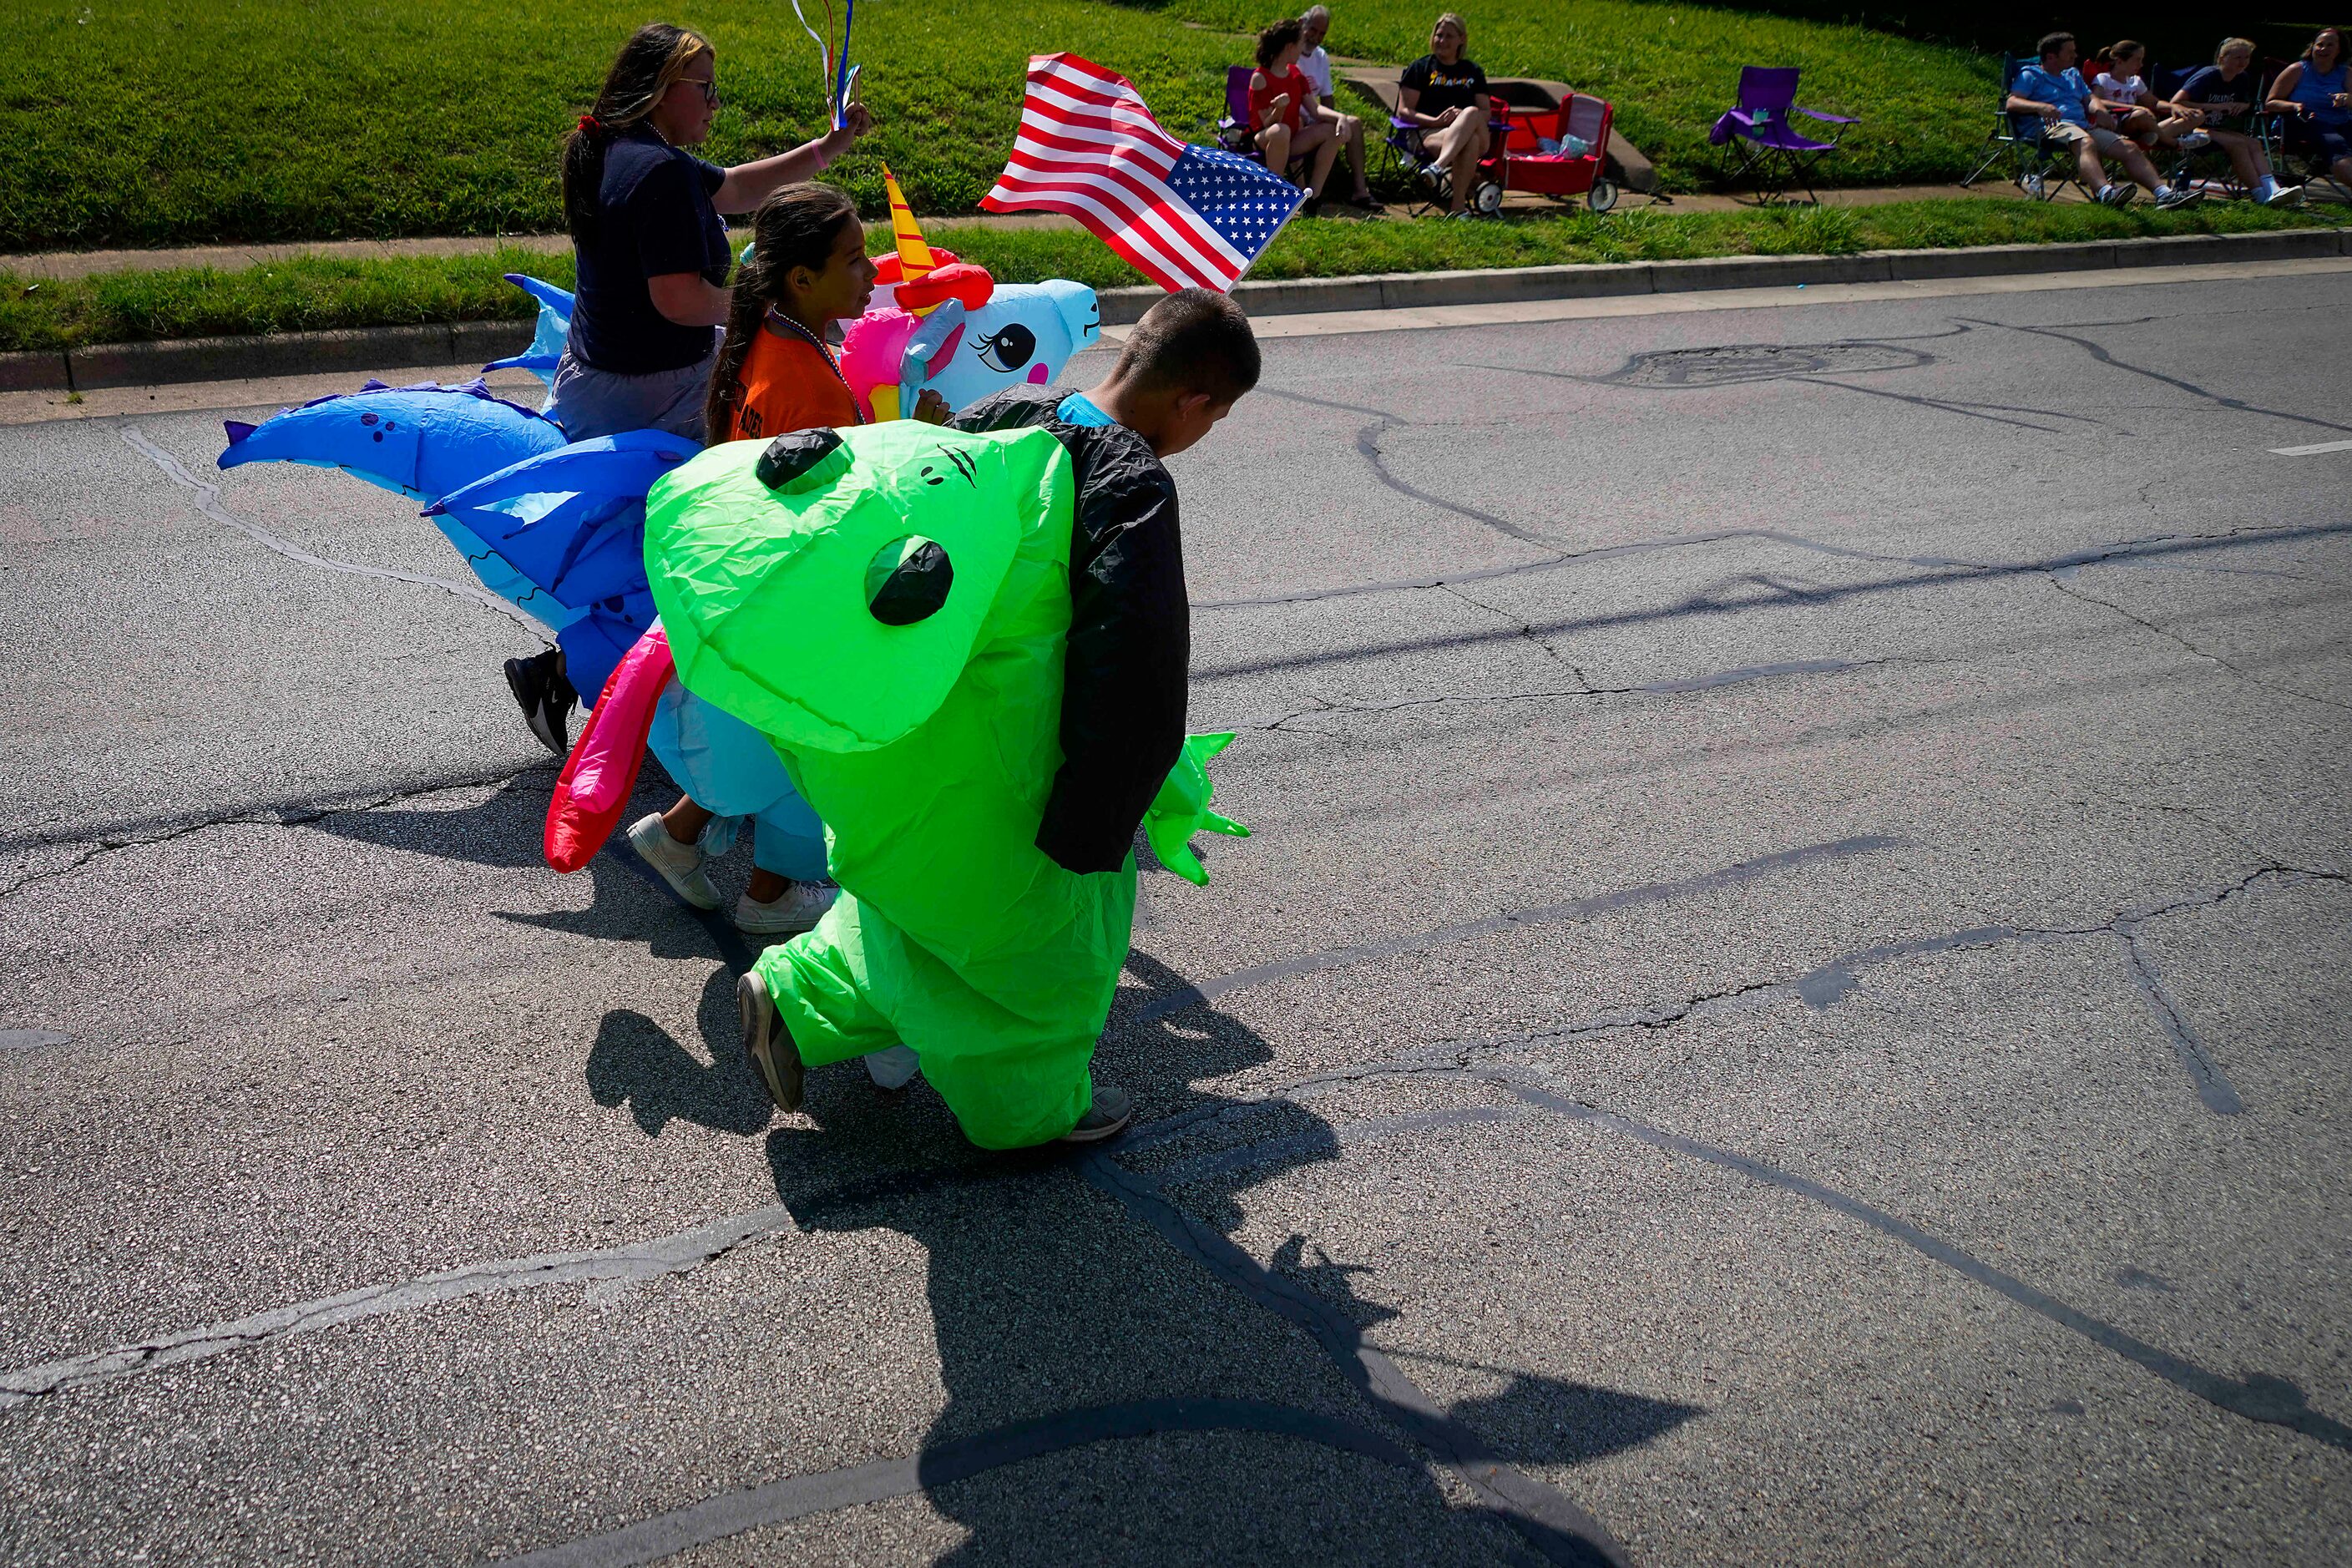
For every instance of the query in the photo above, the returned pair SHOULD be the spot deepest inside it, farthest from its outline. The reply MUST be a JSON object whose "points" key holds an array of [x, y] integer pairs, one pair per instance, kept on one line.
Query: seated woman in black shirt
{"points": [[1444, 92]]}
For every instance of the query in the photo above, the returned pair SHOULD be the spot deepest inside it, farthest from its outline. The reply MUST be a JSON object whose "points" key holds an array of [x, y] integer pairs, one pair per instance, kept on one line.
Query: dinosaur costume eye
{"points": [[908, 581], [788, 457]]}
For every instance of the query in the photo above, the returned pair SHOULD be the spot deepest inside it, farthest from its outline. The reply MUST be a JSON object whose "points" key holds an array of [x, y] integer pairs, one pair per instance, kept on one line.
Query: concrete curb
{"points": [[388, 348]]}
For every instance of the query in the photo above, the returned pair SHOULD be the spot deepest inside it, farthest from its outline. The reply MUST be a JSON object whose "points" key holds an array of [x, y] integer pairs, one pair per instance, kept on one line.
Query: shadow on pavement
{"points": [[636, 1062], [1054, 1313]]}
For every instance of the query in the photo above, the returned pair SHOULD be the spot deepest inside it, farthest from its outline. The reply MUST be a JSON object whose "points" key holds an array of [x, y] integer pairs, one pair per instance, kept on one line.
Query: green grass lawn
{"points": [[319, 292], [1671, 68], [166, 121]]}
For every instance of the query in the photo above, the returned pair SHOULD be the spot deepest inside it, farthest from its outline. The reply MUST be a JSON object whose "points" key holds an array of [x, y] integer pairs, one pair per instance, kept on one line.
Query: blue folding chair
{"points": [[2037, 166], [1758, 143]]}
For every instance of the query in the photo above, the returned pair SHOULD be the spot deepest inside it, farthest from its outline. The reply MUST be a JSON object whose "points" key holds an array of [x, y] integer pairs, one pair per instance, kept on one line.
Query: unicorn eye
{"points": [[1010, 349]]}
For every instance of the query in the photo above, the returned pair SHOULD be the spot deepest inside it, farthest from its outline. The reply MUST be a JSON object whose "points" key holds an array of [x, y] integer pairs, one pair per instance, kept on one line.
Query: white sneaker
{"points": [[2193, 140], [892, 1067], [791, 913], [2271, 193], [681, 865], [2118, 195], [2032, 185], [2167, 198]]}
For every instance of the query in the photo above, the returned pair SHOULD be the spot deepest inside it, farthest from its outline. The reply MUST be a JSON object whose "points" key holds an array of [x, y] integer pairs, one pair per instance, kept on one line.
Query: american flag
{"points": [[1184, 217]]}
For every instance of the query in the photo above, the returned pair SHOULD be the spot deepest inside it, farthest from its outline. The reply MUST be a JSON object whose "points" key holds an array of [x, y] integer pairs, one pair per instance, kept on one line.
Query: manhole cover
{"points": [[1762, 362]]}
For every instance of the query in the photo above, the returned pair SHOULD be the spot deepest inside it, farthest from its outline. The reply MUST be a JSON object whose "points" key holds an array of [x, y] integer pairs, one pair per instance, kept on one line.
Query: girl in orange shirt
{"points": [[807, 269]]}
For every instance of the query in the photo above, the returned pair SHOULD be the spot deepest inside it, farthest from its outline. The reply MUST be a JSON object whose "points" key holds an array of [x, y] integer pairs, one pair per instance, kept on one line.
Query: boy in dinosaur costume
{"points": [[970, 648]]}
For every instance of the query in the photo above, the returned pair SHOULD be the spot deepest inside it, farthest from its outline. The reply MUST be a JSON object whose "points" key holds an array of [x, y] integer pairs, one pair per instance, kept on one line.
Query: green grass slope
{"points": [[163, 121], [1671, 68]]}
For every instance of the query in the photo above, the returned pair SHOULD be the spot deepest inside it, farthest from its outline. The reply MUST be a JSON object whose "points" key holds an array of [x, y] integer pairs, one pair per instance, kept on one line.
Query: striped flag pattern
{"points": [[1184, 217]]}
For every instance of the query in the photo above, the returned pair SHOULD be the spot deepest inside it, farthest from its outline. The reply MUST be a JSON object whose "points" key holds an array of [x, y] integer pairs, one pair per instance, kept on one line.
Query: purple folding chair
{"points": [[1760, 145]]}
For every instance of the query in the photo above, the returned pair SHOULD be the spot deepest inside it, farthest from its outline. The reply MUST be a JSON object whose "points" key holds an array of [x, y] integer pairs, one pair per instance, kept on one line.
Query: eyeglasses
{"points": [[710, 89]]}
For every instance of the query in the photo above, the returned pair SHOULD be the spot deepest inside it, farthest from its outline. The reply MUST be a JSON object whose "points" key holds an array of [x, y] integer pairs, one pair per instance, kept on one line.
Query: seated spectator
{"points": [[1313, 63], [2310, 94], [2056, 92], [2119, 89], [2220, 99], [1288, 122], [1444, 93]]}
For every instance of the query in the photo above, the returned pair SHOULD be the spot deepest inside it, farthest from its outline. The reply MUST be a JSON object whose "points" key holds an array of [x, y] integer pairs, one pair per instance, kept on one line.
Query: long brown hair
{"points": [[655, 56], [795, 226]]}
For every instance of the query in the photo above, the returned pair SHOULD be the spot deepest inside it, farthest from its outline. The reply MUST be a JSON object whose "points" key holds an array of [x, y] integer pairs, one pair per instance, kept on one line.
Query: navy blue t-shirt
{"points": [[653, 216], [1460, 84], [2207, 86]]}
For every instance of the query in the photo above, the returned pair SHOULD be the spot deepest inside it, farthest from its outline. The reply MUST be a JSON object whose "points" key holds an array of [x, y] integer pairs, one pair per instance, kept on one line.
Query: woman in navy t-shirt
{"points": [[1444, 93], [644, 216], [2221, 99], [653, 254]]}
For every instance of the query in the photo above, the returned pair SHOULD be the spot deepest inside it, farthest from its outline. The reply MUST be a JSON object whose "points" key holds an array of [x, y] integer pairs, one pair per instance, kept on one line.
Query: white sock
{"points": [[2105, 191]]}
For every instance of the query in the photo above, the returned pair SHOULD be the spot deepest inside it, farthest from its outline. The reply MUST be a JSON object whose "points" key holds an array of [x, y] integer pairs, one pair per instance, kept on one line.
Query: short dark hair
{"points": [[1276, 38], [1195, 339], [2053, 42]]}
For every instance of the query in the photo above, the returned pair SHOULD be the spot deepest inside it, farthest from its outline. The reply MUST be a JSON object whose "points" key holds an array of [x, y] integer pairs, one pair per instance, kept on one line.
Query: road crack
{"points": [[296, 818], [2058, 581]]}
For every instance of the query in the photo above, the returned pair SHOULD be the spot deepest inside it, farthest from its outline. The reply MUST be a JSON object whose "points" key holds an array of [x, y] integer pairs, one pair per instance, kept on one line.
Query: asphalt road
{"points": [[1787, 1005]]}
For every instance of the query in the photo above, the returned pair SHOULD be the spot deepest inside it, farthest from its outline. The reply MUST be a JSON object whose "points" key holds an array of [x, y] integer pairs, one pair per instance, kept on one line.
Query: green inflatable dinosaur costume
{"points": [[888, 606]]}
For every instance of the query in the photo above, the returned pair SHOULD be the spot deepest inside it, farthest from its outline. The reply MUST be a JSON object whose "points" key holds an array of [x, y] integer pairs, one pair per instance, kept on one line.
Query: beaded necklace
{"points": [[824, 351]]}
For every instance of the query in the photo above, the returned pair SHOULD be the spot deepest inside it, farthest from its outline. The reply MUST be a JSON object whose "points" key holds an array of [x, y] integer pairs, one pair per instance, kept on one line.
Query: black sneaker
{"points": [[1106, 1118], [768, 1044], [545, 697]]}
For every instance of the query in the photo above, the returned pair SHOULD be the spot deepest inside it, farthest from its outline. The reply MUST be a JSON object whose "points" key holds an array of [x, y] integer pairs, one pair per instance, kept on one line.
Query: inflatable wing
{"points": [[570, 525], [548, 338], [422, 441]]}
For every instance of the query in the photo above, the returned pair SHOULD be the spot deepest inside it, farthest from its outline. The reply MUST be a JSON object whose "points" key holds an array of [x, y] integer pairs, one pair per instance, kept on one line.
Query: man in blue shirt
{"points": [[2056, 92]]}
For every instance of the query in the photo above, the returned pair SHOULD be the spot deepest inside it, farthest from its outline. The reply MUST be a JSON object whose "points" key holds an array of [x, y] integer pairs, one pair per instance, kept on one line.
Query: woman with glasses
{"points": [[653, 258], [644, 216]]}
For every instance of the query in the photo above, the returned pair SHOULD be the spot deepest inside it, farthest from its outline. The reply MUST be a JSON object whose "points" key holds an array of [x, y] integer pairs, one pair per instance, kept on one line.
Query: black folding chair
{"points": [[2308, 164], [2037, 166], [2205, 168]]}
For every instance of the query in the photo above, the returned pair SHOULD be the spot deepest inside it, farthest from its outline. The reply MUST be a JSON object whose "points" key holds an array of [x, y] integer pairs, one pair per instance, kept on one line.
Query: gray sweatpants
{"points": [[589, 403]]}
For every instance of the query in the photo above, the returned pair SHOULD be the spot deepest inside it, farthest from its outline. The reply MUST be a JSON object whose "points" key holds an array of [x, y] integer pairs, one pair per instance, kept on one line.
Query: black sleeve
{"points": [[1123, 686], [668, 222], [1416, 77], [1013, 408]]}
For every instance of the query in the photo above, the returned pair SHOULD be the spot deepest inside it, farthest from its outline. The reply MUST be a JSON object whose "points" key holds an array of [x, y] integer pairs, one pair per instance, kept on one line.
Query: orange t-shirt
{"points": [[792, 384]]}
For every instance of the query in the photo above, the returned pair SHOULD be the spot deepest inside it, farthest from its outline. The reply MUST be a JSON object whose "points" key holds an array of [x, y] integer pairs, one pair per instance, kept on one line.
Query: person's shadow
{"points": [[634, 1062], [1065, 1330]]}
